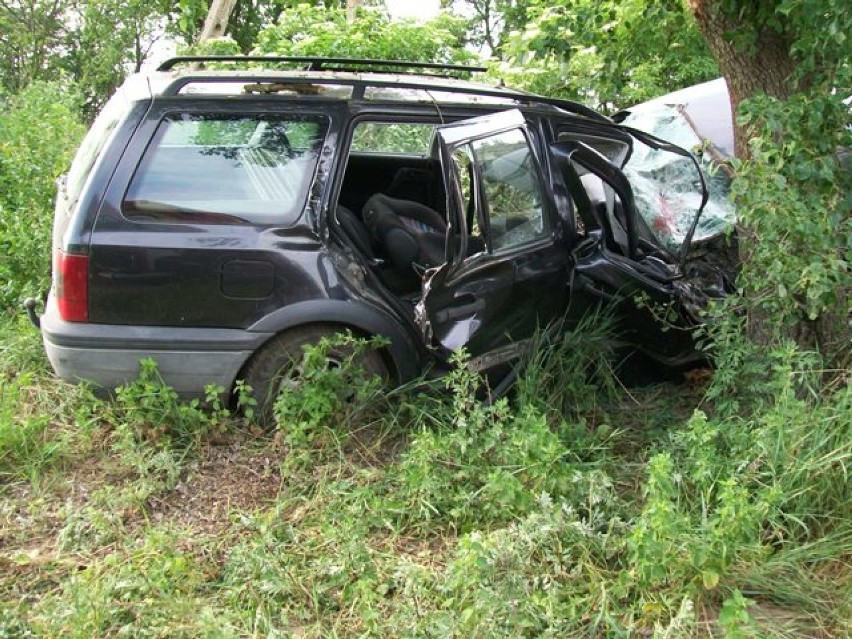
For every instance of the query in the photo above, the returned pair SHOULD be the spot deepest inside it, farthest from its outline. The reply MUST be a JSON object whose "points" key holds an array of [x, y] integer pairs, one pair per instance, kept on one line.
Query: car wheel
{"points": [[277, 364]]}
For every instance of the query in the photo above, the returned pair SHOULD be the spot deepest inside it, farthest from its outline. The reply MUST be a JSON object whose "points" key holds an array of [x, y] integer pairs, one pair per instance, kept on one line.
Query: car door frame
{"points": [[623, 283], [460, 271]]}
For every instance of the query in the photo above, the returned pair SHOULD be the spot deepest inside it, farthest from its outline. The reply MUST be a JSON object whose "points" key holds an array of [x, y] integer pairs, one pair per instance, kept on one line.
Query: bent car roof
{"points": [[709, 108]]}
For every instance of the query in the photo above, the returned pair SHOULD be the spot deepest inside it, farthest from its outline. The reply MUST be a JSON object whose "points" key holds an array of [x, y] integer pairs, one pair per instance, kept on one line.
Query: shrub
{"points": [[474, 463], [794, 198], [38, 134], [148, 409], [320, 405]]}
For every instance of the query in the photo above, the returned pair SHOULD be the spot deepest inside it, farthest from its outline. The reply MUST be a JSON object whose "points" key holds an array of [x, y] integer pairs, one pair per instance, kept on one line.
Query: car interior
{"points": [[611, 216], [392, 209]]}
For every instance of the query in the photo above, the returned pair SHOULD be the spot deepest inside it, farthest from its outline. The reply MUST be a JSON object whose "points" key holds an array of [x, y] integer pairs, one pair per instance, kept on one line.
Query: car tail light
{"points": [[72, 286]]}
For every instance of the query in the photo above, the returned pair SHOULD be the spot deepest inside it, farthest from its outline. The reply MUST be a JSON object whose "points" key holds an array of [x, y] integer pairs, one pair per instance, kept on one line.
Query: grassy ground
{"points": [[577, 508]]}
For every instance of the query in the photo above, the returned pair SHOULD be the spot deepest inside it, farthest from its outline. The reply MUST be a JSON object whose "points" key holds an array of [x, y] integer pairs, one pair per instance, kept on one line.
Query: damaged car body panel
{"points": [[513, 264], [507, 267], [626, 270]]}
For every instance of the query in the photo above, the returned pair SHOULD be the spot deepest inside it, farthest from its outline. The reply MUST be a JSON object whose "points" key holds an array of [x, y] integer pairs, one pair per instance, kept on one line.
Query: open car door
{"points": [[506, 269], [619, 262]]}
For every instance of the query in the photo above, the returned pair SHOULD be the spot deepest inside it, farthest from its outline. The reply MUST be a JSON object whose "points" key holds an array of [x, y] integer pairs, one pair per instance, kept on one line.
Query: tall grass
{"points": [[563, 509], [43, 421]]}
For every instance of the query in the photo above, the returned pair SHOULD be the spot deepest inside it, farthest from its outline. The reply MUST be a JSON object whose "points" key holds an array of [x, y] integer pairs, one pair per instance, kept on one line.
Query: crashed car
{"points": [[218, 220]]}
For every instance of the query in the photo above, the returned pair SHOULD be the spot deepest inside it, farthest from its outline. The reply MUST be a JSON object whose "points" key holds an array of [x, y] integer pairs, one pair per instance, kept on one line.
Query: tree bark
{"points": [[766, 67], [762, 64], [217, 19], [351, 8]]}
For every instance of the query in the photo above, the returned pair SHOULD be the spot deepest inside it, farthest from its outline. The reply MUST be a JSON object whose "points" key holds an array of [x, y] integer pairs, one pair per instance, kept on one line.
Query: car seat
{"points": [[400, 283], [409, 233]]}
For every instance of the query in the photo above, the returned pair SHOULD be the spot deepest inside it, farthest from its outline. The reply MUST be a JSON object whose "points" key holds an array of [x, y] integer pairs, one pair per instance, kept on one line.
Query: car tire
{"points": [[280, 355]]}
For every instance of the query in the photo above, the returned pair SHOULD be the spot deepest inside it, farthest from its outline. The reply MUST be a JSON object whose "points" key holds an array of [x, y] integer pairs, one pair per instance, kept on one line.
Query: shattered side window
{"points": [[666, 186]]}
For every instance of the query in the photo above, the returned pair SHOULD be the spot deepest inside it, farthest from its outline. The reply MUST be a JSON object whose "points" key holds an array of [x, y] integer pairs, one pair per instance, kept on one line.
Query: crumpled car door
{"points": [[639, 279]]}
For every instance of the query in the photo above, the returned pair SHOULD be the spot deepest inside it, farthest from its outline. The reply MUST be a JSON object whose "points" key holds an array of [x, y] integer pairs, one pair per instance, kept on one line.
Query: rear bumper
{"points": [[108, 355]]}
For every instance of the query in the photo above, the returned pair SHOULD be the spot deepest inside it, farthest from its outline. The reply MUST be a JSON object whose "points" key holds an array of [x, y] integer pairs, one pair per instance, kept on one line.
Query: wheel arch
{"points": [[402, 354]]}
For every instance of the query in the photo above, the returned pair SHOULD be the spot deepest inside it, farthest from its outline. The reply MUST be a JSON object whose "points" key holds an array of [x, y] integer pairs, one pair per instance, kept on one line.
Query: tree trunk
{"points": [[217, 19], [761, 65], [351, 8], [766, 67]]}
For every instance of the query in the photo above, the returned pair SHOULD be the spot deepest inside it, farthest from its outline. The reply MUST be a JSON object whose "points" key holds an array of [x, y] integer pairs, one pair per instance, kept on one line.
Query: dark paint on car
{"points": [[214, 230]]}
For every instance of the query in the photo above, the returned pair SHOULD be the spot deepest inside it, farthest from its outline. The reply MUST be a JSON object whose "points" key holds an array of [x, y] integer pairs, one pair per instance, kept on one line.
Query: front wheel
{"points": [[278, 365]]}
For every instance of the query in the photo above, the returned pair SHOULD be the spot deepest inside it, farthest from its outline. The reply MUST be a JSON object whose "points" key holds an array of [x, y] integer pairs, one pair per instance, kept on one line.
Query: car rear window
{"points": [[227, 169]]}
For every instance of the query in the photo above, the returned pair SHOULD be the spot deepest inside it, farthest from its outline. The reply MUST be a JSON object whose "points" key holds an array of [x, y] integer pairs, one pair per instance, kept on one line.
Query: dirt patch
{"points": [[772, 619], [225, 479], [32, 517]]}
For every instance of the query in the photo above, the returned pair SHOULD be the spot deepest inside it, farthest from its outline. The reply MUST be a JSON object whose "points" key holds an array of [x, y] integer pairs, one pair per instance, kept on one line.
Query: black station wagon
{"points": [[217, 221]]}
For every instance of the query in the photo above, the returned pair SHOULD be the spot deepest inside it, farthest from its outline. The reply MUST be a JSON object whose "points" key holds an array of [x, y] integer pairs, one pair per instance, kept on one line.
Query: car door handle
{"points": [[465, 304]]}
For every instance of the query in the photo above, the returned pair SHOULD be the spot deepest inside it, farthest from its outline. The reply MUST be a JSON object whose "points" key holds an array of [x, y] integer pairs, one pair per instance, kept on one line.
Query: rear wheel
{"points": [[277, 365]]}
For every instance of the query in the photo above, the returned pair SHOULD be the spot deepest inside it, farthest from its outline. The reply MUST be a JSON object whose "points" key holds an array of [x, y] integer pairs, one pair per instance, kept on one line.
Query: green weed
{"points": [[582, 510], [149, 409], [569, 373], [43, 422], [324, 405], [153, 587], [24, 447]]}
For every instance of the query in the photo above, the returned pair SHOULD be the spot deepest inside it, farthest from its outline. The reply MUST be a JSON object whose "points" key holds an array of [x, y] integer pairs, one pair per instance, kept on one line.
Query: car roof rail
{"points": [[327, 64], [318, 65]]}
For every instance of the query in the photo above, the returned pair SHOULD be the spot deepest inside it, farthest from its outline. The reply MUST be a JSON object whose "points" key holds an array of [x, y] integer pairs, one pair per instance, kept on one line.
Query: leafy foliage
{"points": [[97, 43], [92, 43], [149, 409], [489, 22], [793, 186], [609, 54], [794, 198], [185, 18], [109, 39], [318, 31], [323, 395], [31, 158], [442, 476], [816, 31], [32, 32]]}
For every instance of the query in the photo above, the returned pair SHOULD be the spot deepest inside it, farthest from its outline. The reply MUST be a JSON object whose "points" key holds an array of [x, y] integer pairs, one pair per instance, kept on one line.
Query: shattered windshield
{"points": [[667, 187]]}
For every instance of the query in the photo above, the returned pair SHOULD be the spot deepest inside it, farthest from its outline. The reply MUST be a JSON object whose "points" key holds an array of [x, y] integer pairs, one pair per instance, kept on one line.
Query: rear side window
{"points": [[114, 111], [227, 170], [393, 137]]}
